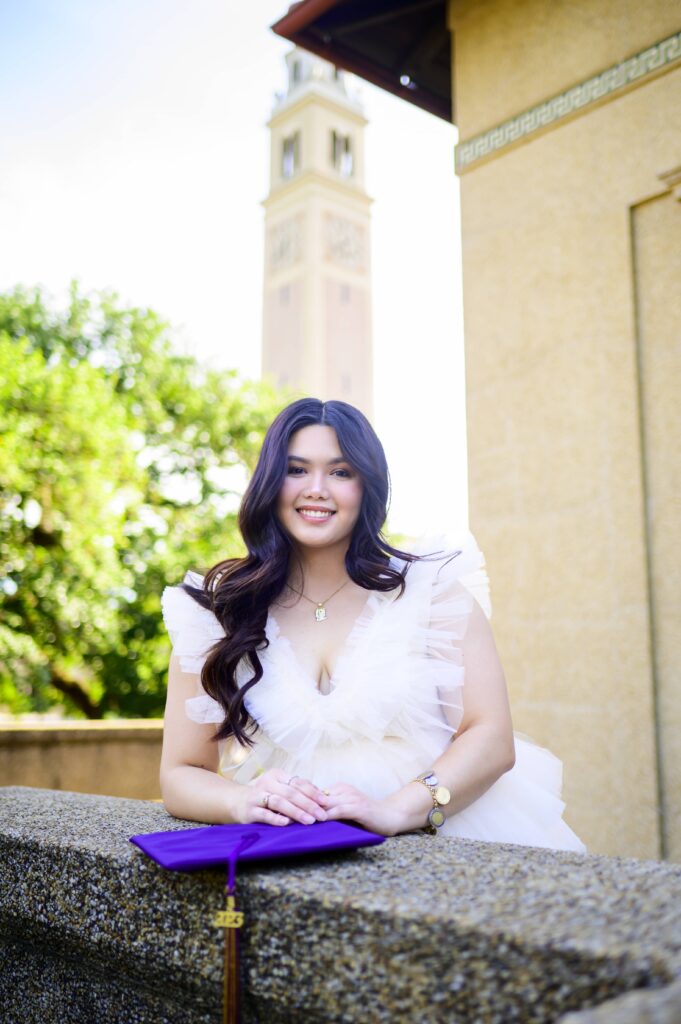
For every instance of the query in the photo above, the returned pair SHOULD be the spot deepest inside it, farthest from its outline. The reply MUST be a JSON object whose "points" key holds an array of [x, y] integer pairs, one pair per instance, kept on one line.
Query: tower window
{"points": [[290, 155], [341, 153]]}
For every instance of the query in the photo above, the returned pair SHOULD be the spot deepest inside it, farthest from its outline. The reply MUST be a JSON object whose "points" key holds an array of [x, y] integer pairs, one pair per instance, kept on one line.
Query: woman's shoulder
{"points": [[453, 564], [177, 603], [193, 629]]}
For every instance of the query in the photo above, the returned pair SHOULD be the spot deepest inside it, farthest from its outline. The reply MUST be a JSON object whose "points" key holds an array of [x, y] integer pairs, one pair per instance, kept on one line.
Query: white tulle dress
{"points": [[384, 719]]}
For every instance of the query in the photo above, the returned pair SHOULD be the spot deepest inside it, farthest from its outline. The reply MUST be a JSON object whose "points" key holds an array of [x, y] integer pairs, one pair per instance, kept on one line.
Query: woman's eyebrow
{"points": [[331, 462]]}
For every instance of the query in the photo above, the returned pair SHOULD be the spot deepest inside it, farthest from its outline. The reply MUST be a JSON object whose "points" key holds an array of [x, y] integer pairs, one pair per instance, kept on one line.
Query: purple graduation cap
{"points": [[194, 848]]}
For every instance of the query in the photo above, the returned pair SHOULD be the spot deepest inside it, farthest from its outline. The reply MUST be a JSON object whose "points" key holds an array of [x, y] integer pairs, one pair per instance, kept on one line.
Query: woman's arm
{"points": [[191, 787], [481, 752]]}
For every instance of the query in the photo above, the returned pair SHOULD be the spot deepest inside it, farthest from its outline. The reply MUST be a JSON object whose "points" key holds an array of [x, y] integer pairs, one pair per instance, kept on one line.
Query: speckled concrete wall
{"points": [[420, 929], [561, 499]]}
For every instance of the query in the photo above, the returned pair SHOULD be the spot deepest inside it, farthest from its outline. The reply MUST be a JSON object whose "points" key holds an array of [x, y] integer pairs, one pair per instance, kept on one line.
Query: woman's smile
{"points": [[321, 489], [314, 515]]}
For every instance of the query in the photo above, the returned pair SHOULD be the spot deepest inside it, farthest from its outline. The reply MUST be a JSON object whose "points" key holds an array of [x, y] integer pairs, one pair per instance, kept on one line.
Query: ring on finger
{"points": [[265, 801], [290, 781]]}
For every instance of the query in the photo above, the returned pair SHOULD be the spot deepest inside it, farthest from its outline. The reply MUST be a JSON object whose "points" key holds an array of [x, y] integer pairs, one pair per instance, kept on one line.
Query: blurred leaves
{"points": [[121, 465]]}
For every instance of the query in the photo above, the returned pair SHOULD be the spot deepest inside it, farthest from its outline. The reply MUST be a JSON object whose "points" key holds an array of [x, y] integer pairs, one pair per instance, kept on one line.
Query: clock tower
{"points": [[317, 280]]}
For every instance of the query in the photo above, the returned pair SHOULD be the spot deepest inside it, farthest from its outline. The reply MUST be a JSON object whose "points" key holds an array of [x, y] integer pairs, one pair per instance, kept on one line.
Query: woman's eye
{"points": [[297, 470]]}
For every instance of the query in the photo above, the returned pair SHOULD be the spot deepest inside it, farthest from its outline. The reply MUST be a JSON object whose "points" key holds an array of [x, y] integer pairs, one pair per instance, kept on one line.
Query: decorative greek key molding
{"points": [[607, 82]]}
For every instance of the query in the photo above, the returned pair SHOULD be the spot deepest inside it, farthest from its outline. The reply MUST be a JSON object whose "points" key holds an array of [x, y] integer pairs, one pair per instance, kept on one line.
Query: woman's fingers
{"points": [[305, 786], [305, 799], [292, 796], [345, 803], [302, 794], [280, 803], [269, 817]]}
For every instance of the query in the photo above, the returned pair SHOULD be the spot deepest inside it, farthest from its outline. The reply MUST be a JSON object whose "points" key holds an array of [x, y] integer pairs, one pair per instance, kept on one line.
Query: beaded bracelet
{"points": [[441, 796]]}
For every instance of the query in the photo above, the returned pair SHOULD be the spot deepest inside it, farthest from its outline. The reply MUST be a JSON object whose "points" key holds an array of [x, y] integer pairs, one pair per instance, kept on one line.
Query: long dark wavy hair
{"points": [[239, 591]]}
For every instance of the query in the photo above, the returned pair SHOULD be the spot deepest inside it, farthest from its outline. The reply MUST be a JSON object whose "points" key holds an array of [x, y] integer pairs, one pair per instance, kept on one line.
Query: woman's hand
{"points": [[381, 816], [288, 798]]}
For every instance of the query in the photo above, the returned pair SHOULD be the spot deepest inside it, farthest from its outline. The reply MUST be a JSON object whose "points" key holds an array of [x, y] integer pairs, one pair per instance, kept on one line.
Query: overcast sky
{"points": [[134, 156]]}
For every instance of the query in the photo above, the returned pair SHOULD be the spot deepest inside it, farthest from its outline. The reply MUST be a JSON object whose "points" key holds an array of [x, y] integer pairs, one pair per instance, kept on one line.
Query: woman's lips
{"points": [[314, 517]]}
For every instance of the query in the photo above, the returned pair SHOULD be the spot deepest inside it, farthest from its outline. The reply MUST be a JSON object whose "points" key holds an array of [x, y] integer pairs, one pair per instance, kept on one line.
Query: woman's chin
{"points": [[313, 536]]}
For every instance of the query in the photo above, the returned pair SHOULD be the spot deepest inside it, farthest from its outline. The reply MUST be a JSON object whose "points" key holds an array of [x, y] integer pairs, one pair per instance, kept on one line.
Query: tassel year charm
{"points": [[230, 917]]}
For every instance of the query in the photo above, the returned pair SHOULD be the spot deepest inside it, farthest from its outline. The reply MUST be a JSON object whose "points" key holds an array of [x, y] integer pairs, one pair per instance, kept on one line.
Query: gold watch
{"points": [[441, 797]]}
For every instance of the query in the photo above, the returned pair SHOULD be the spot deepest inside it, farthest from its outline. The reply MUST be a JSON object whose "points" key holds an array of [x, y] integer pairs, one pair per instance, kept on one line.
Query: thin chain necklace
{"points": [[320, 610]]}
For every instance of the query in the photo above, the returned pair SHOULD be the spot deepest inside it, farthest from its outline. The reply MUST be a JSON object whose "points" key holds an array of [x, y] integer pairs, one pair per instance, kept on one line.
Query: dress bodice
{"points": [[400, 670], [396, 700]]}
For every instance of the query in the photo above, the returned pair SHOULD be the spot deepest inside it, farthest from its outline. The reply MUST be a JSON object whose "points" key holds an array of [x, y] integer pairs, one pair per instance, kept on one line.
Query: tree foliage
{"points": [[121, 465]]}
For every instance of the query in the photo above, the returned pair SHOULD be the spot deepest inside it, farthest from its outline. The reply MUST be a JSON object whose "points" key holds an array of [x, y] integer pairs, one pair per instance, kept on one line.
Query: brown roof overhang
{"points": [[403, 47]]}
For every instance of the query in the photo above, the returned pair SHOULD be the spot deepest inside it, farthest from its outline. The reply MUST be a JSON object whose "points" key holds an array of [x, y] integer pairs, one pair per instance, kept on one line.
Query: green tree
{"points": [[121, 465]]}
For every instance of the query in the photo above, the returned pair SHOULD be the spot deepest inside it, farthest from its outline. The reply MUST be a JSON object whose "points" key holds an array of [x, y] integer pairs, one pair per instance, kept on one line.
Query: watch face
{"points": [[436, 817]]}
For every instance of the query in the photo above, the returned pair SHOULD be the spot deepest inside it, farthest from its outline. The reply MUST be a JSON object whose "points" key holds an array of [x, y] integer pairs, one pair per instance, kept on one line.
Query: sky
{"points": [[134, 157]]}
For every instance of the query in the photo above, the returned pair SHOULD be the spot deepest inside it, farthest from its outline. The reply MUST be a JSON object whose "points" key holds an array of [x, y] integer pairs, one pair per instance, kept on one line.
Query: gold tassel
{"points": [[230, 1011], [231, 920]]}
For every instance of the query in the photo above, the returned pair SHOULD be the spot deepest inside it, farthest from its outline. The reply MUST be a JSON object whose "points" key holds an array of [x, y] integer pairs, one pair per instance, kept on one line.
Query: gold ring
{"points": [[327, 792], [266, 800]]}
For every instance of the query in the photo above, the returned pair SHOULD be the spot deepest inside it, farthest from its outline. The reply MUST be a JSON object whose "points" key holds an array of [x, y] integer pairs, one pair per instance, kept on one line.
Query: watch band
{"points": [[441, 797]]}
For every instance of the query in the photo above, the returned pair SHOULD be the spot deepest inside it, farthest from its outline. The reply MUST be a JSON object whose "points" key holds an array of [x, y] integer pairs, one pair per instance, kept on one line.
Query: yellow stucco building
{"points": [[569, 120]]}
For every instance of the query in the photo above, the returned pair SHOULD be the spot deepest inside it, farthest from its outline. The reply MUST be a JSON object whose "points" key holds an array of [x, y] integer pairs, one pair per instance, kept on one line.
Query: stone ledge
{"points": [[645, 1006], [121, 730], [418, 929]]}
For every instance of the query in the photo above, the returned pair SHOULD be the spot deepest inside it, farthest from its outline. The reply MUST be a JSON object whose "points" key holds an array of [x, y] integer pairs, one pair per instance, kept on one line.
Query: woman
{"points": [[334, 664]]}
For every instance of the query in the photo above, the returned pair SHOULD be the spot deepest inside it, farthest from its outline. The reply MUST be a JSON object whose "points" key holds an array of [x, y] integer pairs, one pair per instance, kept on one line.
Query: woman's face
{"points": [[321, 496]]}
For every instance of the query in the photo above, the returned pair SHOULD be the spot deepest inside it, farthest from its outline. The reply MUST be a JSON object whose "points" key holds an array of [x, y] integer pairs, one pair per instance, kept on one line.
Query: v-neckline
{"points": [[360, 626]]}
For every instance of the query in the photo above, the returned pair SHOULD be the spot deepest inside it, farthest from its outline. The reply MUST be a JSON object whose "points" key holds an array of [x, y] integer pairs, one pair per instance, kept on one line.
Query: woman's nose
{"points": [[315, 486]]}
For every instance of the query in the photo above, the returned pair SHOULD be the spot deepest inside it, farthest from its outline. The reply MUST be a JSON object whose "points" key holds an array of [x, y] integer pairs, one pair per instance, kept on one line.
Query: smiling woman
{"points": [[355, 708]]}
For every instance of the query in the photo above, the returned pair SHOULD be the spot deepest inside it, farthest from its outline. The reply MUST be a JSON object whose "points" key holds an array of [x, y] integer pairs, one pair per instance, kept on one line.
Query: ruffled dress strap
{"points": [[457, 563], [193, 631], [454, 571]]}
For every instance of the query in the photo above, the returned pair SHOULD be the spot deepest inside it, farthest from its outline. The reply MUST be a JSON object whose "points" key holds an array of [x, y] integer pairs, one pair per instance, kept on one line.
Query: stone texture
{"points": [[647, 1006], [418, 929]]}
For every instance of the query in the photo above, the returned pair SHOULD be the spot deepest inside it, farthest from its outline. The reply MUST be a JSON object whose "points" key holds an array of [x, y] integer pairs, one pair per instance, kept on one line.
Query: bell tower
{"points": [[317, 279]]}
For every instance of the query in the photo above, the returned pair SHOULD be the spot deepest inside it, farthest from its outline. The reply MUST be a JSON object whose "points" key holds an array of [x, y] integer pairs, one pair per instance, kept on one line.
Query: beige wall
{"points": [[559, 495], [111, 758]]}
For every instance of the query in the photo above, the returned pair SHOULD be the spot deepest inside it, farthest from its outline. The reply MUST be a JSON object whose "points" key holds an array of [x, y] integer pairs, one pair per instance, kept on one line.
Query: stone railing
{"points": [[418, 929], [112, 757]]}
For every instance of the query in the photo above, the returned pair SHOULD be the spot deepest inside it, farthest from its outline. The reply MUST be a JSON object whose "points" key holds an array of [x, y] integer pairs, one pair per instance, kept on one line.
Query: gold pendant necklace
{"points": [[320, 610]]}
